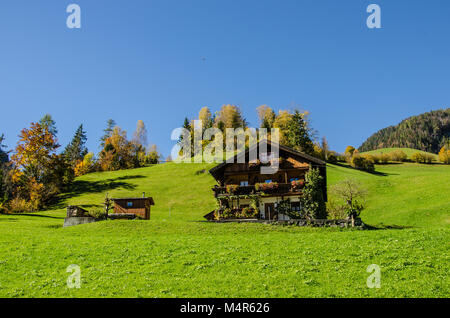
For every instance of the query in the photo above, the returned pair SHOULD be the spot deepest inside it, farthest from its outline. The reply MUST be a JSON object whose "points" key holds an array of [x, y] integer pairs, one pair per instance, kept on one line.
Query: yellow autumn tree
{"points": [[266, 116], [33, 163], [86, 165], [444, 155], [230, 116], [205, 116], [118, 153]]}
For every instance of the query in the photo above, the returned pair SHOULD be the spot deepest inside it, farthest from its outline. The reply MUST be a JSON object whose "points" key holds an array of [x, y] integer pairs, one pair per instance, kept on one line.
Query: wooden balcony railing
{"points": [[279, 188]]}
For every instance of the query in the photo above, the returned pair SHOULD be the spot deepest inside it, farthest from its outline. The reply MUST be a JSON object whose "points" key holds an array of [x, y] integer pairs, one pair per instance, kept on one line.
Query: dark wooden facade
{"points": [[239, 180], [293, 165], [137, 206]]}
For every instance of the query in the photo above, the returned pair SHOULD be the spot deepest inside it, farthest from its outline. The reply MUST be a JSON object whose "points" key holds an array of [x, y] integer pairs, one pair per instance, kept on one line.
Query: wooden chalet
{"points": [[137, 206], [237, 182]]}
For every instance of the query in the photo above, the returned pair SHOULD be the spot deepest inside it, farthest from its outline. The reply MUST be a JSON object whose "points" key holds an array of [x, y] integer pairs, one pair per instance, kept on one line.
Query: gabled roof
{"points": [[214, 171]]}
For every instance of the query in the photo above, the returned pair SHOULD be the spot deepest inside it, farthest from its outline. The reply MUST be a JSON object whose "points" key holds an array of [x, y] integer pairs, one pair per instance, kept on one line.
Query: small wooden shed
{"points": [[137, 206]]}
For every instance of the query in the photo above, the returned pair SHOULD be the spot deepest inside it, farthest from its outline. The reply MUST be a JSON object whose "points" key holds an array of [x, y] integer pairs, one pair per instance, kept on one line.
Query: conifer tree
{"points": [[76, 149], [107, 132]]}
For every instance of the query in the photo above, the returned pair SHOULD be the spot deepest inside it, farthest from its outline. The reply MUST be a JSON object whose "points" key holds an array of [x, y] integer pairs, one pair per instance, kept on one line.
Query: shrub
{"points": [[284, 207], [312, 201], [422, 157], [19, 205], [231, 188], [398, 155], [99, 214], [375, 158], [2, 207], [362, 163], [372, 158], [332, 158], [384, 158], [341, 158], [248, 213], [335, 209], [227, 213]]}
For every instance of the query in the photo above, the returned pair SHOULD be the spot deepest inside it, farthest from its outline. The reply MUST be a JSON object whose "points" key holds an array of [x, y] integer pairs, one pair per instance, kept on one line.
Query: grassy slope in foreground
{"points": [[407, 151], [174, 255]]}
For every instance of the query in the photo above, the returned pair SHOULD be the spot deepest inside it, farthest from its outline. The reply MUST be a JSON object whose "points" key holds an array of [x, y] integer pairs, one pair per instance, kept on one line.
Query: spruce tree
{"points": [[76, 149], [110, 124], [3, 154]]}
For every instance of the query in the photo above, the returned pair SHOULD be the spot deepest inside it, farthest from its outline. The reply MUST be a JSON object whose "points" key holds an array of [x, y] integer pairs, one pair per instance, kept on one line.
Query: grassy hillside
{"points": [[181, 191], [176, 254], [408, 151]]}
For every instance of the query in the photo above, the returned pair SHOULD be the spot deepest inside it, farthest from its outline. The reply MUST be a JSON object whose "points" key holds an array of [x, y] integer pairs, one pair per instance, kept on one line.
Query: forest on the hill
{"points": [[428, 132]]}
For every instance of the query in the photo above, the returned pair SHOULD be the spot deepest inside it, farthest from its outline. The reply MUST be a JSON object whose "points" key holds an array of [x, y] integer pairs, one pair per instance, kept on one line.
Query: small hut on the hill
{"points": [[137, 206]]}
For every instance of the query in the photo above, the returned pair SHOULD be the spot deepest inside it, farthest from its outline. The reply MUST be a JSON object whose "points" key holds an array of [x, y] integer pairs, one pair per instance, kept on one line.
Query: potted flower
{"points": [[297, 184]]}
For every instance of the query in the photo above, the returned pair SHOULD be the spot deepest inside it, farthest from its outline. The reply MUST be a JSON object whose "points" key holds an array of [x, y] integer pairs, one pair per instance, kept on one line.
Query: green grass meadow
{"points": [[408, 151], [178, 254]]}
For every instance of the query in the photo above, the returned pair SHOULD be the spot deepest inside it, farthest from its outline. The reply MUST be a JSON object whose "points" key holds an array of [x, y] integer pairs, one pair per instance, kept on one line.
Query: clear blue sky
{"points": [[160, 61]]}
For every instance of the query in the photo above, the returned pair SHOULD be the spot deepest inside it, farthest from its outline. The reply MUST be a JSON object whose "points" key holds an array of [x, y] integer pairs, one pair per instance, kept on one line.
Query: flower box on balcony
{"points": [[266, 186], [297, 184]]}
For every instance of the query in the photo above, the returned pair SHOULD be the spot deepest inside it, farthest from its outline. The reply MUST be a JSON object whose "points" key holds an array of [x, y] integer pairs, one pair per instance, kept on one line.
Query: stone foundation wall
{"points": [[323, 222], [300, 222], [78, 220]]}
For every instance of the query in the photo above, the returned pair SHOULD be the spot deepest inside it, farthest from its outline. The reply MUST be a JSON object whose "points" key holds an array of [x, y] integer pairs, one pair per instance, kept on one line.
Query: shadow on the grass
{"points": [[387, 227], [79, 187], [33, 215], [376, 173]]}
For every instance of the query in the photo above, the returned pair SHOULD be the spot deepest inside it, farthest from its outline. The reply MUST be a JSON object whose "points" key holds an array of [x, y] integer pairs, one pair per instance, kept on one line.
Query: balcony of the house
{"points": [[268, 188]]}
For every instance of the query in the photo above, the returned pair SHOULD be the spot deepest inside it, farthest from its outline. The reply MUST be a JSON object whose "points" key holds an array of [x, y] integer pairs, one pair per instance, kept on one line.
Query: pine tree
{"points": [[76, 149], [107, 132], [187, 126], [3, 154]]}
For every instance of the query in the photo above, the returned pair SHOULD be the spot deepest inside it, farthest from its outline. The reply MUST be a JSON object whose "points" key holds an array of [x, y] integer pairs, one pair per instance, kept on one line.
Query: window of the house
{"points": [[268, 181], [295, 206], [244, 183], [294, 179], [129, 204]]}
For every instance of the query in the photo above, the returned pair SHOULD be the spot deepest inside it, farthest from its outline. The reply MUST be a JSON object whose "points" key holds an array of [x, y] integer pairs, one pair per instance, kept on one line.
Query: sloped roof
{"points": [[215, 170]]}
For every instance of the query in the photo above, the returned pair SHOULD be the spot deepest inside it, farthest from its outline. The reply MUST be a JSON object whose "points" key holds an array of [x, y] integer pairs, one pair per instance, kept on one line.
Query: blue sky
{"points": [[160, 61]]}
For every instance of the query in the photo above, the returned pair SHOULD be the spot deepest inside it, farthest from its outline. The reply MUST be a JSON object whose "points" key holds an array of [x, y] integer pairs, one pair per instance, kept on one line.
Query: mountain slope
{"points": [[405, 195], [426, 132], [178, 254]]}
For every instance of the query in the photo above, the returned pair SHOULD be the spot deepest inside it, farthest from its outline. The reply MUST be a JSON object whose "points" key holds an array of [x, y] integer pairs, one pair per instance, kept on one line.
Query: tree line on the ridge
{"points": [[428, 132], [37, 171]]}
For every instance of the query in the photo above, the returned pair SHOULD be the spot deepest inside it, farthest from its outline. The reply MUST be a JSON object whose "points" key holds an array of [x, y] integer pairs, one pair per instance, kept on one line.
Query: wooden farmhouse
{"points": [[240, 185], [137, 206]]}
